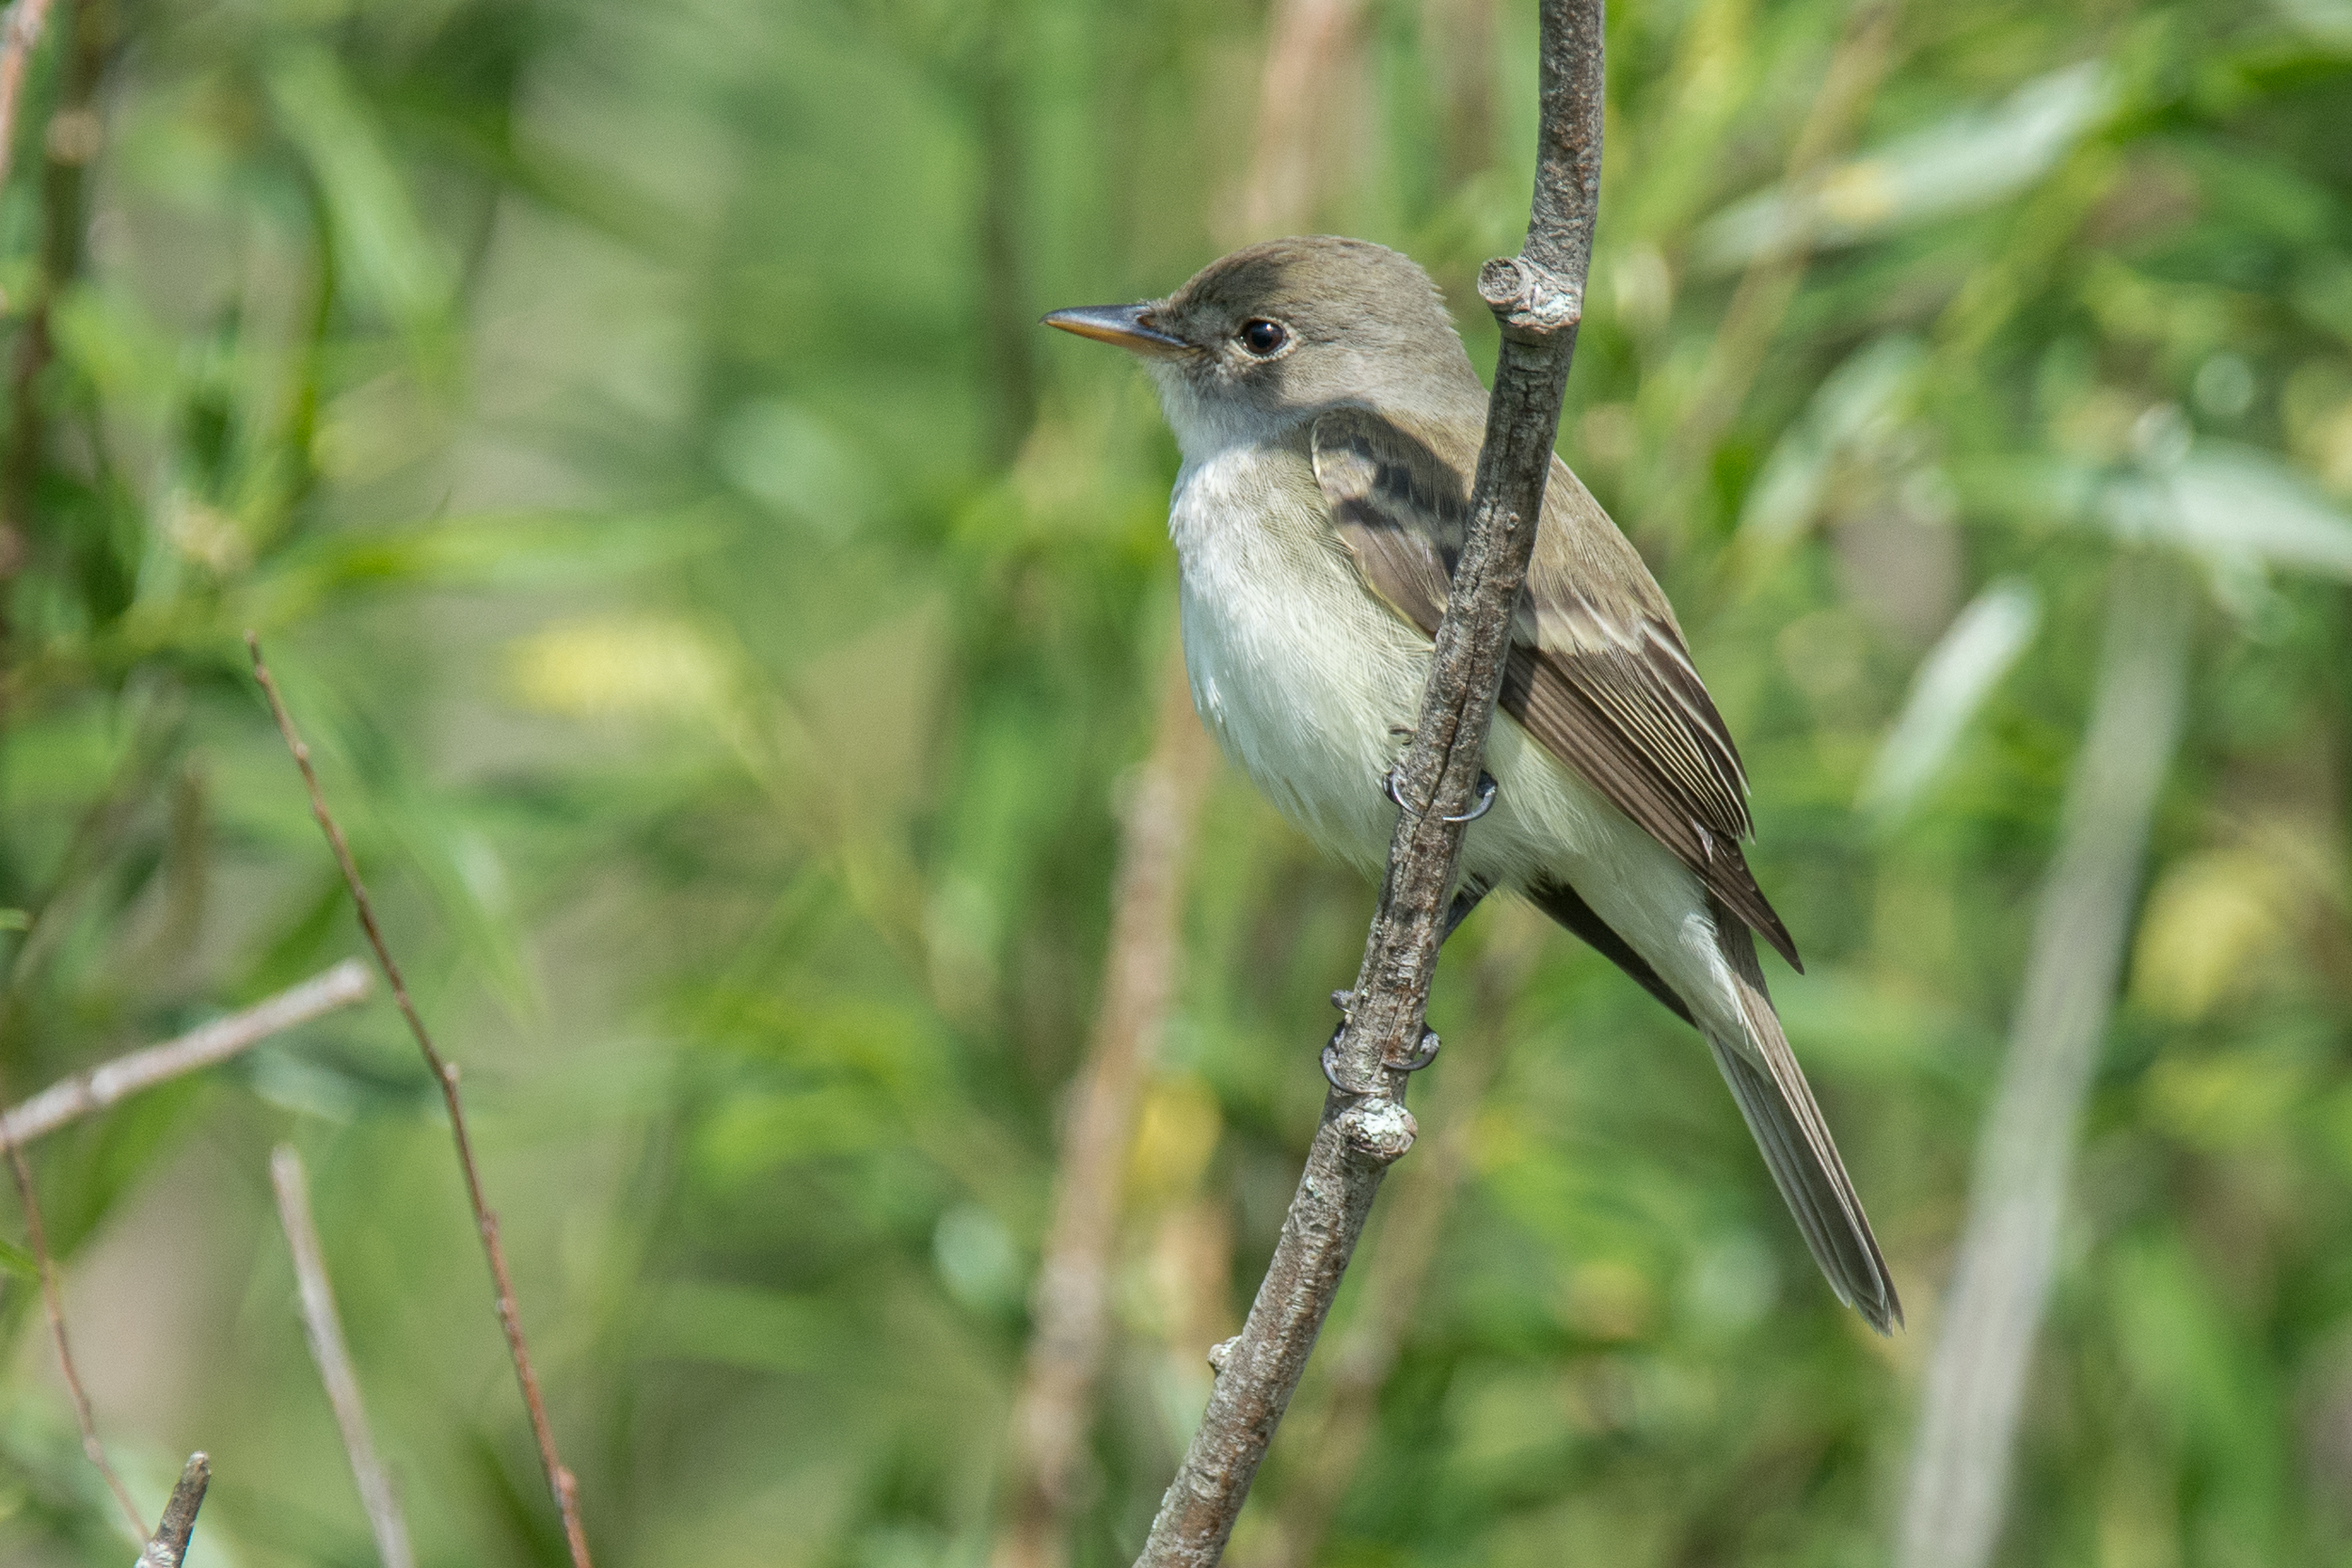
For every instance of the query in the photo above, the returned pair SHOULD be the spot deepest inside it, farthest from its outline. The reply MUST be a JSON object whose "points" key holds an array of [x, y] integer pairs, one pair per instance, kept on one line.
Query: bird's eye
{"points": [[1264, 338]]}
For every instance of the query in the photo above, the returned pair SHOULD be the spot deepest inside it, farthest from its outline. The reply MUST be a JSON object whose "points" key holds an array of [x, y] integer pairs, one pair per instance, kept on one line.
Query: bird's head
{"points": [[1268, 336]]}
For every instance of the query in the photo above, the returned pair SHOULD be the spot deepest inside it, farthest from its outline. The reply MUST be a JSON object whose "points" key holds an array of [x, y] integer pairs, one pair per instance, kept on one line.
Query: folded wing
{"points": [[1597, 671]]}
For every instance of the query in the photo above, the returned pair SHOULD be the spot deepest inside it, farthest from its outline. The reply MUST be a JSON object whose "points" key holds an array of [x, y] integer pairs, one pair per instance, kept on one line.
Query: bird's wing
{"points": [[1598, 669]]}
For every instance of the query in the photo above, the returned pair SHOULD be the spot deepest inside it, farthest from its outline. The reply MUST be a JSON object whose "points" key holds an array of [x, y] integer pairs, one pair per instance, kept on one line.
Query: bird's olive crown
{"points": [[1306, 323]]}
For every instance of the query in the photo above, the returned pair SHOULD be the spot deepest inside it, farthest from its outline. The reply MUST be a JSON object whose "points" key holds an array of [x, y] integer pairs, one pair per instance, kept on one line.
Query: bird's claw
{"points": [[1422, 1054], [1487, 789]]}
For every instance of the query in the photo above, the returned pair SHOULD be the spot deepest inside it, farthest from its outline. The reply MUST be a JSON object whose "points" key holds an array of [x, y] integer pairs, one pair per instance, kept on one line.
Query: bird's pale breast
{"points": [[1297, 670]]}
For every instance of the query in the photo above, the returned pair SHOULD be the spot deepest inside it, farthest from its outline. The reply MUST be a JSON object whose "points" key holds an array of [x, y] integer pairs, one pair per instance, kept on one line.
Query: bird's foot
{"points": [[1480, 805], [1484, 802], [1423, 1053], [1394, 791]]}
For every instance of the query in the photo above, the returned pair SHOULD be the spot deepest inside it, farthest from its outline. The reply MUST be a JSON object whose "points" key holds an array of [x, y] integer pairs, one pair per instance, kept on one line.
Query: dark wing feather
{"points": [[1597, 673]]}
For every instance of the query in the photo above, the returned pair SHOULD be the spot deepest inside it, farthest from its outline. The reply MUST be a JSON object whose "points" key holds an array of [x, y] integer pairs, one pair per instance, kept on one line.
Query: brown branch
{"points": [[560, 1480], [168, 1548], [52, 1304], [324, 1329], [1539, 301], [86, 1093], [1055, 1406], [1308, 43], [1338, 1427], [89, 1092]]}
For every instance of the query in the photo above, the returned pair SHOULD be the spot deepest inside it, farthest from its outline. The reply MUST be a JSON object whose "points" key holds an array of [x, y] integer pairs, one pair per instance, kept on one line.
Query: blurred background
{"points": [[738, 640]]}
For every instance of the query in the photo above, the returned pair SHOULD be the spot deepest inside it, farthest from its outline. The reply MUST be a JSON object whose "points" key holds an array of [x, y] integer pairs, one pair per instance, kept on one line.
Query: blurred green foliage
{"points": [[725, 624]]}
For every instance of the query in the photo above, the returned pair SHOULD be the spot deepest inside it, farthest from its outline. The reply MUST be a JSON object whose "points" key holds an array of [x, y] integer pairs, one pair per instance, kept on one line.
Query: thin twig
{"points": [[1539, 301], [168, 1548], [102, 1086], [560, 1480], [1337, 1428], [324, 1329], [1985, 1334], [53, 1303], [93, 1090]]}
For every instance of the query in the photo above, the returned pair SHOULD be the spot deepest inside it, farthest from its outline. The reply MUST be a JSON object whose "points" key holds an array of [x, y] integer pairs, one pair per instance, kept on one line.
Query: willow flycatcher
{"points": [[1331, 424]]}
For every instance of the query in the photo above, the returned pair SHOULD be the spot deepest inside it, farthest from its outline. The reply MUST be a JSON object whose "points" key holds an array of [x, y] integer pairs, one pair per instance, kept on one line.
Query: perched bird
{"points": [[1331, 426]]}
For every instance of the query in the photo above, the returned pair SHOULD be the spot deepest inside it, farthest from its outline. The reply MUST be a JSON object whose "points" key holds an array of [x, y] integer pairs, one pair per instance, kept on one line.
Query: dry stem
{"points": [[324, 1329], [1991, 1314], [102, 1086], [1053, 1410], [560, 1482], [1539, 300], [89, 1092], [52, 1304]]}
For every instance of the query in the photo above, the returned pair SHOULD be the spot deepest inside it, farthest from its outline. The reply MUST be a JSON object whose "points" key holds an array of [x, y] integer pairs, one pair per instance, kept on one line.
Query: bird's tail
{"points": [[1789, 1129]]}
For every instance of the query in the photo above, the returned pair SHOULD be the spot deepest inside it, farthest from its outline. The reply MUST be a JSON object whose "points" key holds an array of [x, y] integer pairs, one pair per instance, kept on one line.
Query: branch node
{"points": [[1529, 303], [1222, 1351], [1377, 1129]]}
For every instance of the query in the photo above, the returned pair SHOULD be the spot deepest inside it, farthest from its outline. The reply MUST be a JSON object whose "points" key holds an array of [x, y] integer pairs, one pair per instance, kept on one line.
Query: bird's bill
{"points": [[1126, 325]]}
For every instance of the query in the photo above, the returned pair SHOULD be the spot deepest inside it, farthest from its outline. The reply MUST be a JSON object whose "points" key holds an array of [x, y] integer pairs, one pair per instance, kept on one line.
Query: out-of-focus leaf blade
{"points": [[392, 261], [1952, 685], [1965, 163], [2233, 503]]}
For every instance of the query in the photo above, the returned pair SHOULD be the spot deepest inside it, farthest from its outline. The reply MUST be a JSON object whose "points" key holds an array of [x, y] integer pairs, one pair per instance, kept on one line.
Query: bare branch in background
{"points": [[560, 1482], [324, 1329], [1071, 1325], [52, 1304], [1307, 45], [1338, 1427], [2007, 1249], [169, 1546], [101, 1086], [1539, 302], [89, 1092], [1055, 1407]]}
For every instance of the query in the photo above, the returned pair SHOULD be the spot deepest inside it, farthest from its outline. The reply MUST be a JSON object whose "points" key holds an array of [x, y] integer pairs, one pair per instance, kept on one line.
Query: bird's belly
{"points": [[1302, 690]]}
